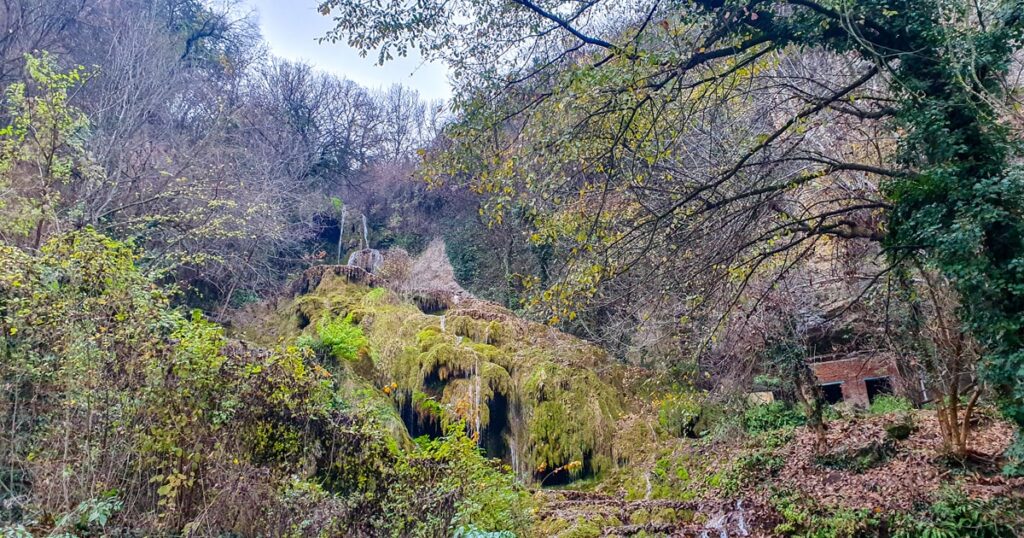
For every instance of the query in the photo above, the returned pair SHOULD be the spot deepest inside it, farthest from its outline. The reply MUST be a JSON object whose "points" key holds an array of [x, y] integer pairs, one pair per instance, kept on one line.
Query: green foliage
{"points": [[493, 500], [802, 518], [963, 204], [91, 515], [341, 337], [890, 404], [177, 417], [772, 416], [954, 188], [465, 260], [956, 515], [674, 476], [757, 463], [678, 413], [46, 134]]}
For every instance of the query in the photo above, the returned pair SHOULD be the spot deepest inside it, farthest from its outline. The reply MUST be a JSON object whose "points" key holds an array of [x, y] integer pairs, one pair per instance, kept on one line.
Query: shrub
{"points": [[491, 501], [343, 338], [772, 416], [890, 404], [678, 413]]}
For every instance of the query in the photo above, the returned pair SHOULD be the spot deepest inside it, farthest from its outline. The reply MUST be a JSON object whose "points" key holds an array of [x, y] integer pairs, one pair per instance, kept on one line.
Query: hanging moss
{"points": [[476, 360], [570, 416], [428, 410], [481, 331]]}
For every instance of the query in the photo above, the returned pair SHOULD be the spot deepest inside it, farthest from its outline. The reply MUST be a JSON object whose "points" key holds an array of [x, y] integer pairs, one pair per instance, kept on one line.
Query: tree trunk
{"points": [[955, 426], [811, 401]]}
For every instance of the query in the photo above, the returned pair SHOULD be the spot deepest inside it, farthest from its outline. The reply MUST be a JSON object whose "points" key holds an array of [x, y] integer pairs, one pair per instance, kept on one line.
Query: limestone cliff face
{"points": [[533, 396]]}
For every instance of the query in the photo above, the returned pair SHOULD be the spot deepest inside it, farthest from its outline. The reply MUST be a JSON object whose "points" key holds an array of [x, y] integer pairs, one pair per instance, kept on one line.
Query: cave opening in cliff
{"points": [[418, 421], [493, 436]]}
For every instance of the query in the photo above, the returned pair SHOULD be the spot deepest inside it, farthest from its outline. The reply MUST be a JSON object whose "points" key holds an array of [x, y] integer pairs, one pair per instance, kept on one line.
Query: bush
{"points": [[342, 338], [493, 502], [772, 416], [678, 413], [890, 404]]}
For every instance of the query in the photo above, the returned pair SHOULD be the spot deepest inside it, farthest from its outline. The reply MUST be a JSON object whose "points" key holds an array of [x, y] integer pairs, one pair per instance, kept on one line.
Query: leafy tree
{"points": [[42, 151]]}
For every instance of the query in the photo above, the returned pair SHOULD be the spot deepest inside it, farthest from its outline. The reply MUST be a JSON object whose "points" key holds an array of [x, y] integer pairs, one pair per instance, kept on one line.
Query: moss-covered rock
{"points": [[526, 391]]}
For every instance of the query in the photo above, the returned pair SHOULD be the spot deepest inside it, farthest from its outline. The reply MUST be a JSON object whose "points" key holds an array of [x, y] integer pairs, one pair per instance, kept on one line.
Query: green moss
{"points": [[552, 526], [481, 331], [640, 517], [570, 416], [582, 528], [560, 410], [665, 515]]}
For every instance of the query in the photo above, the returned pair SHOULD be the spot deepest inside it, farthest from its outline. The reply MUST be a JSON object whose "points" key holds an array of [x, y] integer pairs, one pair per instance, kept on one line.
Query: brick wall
{"points": [[852, 372]]}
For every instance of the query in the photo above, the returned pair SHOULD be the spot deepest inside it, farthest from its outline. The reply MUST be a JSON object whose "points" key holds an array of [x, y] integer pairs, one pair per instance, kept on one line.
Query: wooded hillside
{"points": [[658, 268]]}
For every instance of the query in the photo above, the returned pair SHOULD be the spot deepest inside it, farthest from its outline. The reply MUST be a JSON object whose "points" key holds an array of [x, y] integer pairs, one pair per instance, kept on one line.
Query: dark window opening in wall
{"points": [[878, 386], [832, 392]]}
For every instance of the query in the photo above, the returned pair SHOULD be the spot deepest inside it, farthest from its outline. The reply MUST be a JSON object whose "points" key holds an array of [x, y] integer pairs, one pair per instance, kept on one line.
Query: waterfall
{"points": [[341, 233], [366, 233], [442, 323], [477, 406], [517, 451], [513, 455]]}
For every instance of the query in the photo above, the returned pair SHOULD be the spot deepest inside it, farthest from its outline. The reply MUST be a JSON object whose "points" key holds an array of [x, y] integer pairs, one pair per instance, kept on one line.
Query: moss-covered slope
{"points": [[530, 394]]}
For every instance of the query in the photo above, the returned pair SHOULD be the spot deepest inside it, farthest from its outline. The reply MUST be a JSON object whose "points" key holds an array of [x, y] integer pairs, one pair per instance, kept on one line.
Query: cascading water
{"points": [[366, 233], [341, 234], [513, 454], [442, 323], [516, 447]]}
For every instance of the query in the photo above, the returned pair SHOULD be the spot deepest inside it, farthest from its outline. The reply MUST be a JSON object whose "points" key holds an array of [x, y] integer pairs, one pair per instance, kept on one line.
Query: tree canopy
{"points": [[716, 141]]}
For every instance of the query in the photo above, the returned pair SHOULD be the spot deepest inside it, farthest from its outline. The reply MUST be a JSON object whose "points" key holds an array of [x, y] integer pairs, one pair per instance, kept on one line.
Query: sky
{"points": [[291, 28]]}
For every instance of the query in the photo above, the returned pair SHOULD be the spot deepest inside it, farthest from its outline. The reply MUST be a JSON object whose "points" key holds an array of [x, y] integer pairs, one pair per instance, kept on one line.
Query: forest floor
{"points": [[864, 471]]}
